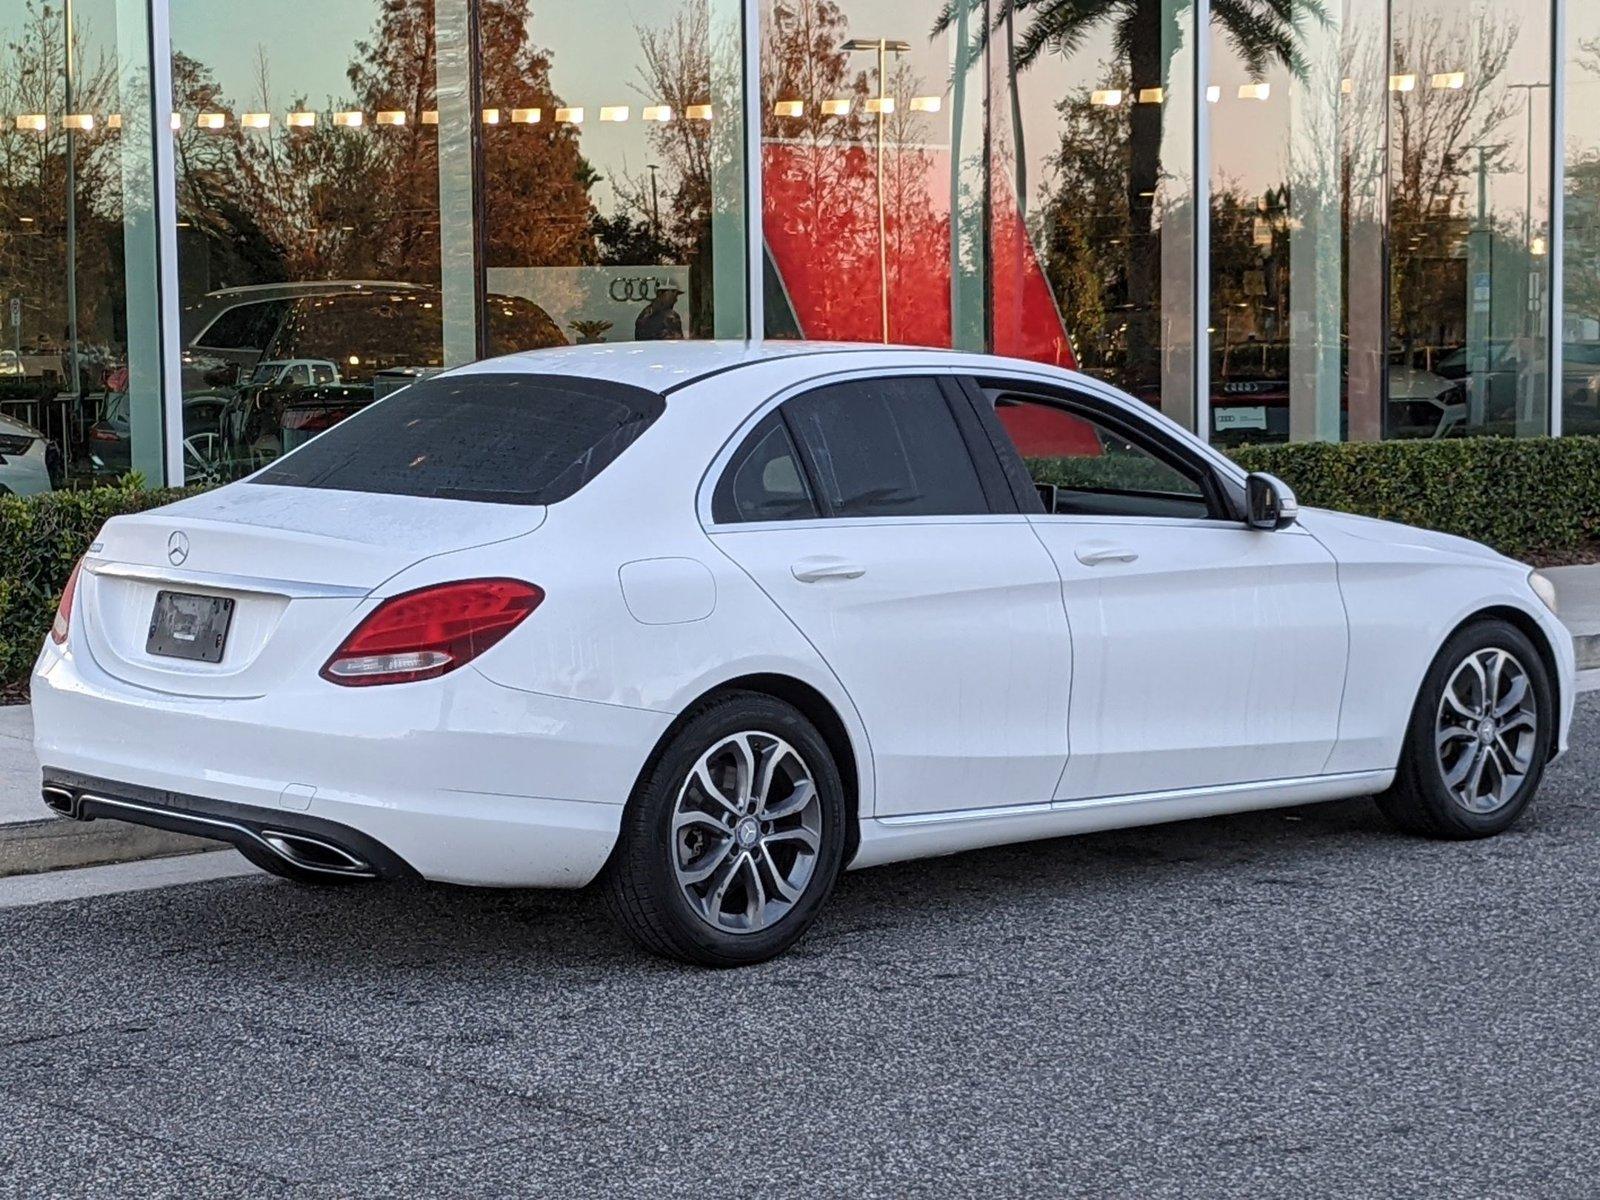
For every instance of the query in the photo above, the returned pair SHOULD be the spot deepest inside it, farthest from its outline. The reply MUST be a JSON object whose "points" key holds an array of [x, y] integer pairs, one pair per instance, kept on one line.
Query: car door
{"points": [[1206, 653], [872, 510]]}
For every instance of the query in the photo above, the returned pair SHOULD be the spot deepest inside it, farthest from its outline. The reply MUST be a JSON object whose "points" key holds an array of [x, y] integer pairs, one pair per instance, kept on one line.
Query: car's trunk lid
{"points": [[296, 563]]}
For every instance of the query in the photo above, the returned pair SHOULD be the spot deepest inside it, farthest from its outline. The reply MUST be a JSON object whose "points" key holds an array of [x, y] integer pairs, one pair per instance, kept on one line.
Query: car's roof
{"points": [[664, 366]]}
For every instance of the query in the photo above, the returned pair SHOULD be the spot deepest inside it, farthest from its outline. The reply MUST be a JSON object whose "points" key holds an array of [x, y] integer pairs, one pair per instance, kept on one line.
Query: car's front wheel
{"points": [[1479, 737], [733, 838]]}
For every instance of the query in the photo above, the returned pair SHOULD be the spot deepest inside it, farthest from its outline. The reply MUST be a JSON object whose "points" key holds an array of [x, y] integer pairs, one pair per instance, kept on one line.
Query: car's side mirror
{"points": [[1269, 502]]}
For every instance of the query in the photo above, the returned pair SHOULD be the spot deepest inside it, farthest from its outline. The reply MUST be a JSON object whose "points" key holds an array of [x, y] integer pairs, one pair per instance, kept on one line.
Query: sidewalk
{"points": [[1578, 596], [33, 840]]}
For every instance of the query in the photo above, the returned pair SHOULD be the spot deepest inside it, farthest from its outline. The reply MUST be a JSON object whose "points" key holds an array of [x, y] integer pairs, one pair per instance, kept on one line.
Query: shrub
{"points": [[1526, 497], [1530, 498], [40, 538]]}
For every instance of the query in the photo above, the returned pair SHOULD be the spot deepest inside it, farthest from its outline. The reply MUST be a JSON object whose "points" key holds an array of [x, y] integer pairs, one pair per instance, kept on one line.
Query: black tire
{"points": [[640, 882], [1420, 801]]}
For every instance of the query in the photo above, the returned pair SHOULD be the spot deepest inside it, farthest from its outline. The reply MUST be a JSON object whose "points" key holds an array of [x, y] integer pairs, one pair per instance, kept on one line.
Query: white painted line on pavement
{"points": [[52, 886], [1589, 681]]}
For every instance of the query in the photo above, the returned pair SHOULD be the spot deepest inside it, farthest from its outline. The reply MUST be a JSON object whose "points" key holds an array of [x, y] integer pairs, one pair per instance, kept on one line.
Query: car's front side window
{"points": [[1088, 465], [886, 448]]}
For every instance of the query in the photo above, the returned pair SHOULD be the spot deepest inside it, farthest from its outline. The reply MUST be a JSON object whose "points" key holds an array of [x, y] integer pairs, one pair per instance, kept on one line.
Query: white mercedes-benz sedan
{"points": [[709, 623]]}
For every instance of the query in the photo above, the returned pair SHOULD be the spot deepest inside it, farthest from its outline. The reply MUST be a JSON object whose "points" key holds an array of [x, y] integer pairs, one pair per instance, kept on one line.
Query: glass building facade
{"points": [[224, 227]]}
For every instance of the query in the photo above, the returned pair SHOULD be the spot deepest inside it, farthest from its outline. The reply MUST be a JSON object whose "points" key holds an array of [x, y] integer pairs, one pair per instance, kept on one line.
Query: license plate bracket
{"points": [[191, 626]]}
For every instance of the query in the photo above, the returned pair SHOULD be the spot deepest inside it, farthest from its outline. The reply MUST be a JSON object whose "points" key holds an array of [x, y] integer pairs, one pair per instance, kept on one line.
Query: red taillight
{"points": [[63, 621], [314, 420], [428, 632]]}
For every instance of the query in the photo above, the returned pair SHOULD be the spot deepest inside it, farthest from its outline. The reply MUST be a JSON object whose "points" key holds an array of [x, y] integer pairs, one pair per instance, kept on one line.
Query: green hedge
{"points": [[40, 538], [1526, 497], [1530, 498]]}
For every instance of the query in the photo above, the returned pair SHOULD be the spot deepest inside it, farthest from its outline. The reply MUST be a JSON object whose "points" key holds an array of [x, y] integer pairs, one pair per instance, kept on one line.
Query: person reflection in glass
{"points": [[660, 322]]}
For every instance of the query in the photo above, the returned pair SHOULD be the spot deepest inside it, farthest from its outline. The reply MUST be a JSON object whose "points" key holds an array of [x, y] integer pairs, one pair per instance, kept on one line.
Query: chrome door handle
{"points": [[814, 570], [1096, 553]]}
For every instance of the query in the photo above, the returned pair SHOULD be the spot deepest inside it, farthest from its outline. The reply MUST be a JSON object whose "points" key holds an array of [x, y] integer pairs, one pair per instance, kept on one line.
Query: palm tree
{"points": [[1146, 34]]}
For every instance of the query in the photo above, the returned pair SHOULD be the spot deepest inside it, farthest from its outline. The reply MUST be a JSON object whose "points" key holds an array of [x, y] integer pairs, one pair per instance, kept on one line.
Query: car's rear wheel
{"points": [[733, 838], [1479, 738]]}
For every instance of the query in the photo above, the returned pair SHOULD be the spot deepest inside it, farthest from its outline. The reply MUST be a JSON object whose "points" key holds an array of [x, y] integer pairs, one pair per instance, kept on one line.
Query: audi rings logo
{"points": [[634, 288], [178, 548]]}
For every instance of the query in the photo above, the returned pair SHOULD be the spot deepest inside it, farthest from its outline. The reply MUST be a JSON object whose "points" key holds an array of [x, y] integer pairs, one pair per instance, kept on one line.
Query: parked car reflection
{"points": [[110, 442], [292, 359]]}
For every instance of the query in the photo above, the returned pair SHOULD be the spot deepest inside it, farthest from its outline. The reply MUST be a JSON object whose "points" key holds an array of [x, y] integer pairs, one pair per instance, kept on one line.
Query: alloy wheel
{"points": [[1486, 730], [746, 832]]}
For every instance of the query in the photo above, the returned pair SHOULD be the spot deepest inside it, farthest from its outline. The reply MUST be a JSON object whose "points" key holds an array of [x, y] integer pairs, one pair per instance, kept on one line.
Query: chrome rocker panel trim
{"points": [[917, 835]]}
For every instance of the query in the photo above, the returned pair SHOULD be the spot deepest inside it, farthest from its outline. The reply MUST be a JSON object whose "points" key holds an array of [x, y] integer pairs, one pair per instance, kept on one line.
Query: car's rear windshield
{"points": [[497, 438]]}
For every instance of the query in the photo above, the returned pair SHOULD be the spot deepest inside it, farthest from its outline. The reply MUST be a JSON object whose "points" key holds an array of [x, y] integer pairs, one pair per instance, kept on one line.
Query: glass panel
{"points": [[1469, 204], [887, 448], [1094, 470], [613, 153], [765, 481], [309, 166], [1092, 193], [75, 380], [495, 437], [872, 135], [1363, 123], [1580, 388], [1277, 215]]}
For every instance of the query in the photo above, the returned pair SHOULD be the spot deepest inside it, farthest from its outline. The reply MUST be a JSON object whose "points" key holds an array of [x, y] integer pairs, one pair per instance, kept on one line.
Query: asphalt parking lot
{"points": [[1281, 1004]]}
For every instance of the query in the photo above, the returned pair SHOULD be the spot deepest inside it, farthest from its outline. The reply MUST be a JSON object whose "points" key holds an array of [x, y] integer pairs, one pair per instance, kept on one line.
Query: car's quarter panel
{"points": [[1406, 590], [1216, 655]]}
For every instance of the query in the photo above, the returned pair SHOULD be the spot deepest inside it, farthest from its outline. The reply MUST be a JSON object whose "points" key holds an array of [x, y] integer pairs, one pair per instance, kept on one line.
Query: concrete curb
{"points": [[57, 843], [1587, 647]]}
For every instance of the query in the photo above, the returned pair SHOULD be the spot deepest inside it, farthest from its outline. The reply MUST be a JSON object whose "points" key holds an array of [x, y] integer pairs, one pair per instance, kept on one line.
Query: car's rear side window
{"points": [[887, 448], [764, 481], [498, 438]]}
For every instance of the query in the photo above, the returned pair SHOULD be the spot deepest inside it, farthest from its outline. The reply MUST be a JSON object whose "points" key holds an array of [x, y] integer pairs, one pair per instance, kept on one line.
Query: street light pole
{"points": [[655, 203]]}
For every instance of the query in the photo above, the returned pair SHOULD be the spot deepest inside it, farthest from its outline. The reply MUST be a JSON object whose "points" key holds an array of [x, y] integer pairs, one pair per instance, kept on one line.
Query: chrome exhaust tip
{"points": [[314, 854], [60, 800]]}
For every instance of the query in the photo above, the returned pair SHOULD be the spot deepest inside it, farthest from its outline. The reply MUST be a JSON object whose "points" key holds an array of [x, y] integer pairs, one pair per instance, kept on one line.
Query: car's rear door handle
{"points": [[814, 570], [1092, 554]]}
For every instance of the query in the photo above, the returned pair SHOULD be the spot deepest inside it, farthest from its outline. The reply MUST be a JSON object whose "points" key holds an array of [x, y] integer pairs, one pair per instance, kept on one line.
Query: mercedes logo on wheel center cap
{"points": [[178, 548], [747, 832]]}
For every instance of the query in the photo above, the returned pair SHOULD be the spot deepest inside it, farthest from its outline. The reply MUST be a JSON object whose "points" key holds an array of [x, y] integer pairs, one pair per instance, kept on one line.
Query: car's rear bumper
{"points": [[311, 844], [458, 779]]}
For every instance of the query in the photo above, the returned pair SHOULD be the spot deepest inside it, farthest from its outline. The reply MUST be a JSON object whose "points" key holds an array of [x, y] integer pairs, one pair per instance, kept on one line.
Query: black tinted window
{"points": [[245, 327], [504, 439], [887, 448], [764, 481]]}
